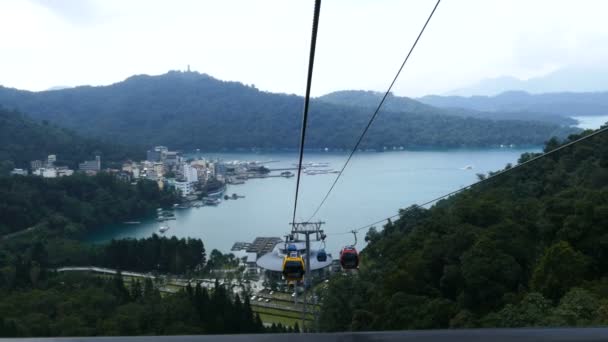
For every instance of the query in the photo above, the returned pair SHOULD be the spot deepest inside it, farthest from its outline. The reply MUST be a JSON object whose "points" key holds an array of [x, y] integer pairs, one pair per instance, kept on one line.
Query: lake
{"points": [[591, 122], [374, 186]]}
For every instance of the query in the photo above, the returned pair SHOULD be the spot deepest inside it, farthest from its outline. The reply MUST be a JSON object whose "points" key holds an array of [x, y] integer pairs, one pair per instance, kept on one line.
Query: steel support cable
{"points": [[373, 117], [497, 174], [311, 62]]}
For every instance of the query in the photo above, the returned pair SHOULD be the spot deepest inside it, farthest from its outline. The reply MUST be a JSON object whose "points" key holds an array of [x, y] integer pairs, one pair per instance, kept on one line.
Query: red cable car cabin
{"points": [[349, 258]]}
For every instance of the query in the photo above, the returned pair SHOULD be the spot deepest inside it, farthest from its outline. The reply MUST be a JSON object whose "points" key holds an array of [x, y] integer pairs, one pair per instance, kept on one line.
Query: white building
{"points": [[51, 159], [159, 168], [64, 171], [46, 172], [251, 263], [184, 188], [91, 165], [190, 174], [20, 172], [52, 172]]}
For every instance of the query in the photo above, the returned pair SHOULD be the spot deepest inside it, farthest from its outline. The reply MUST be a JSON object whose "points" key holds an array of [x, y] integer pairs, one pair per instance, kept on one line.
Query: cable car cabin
{"points": [[349, 258], [293, 267], [321, 255]]}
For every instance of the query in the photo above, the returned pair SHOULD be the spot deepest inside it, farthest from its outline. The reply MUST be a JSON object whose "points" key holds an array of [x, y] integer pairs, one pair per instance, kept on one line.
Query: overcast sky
{"points": [[46, 43]]}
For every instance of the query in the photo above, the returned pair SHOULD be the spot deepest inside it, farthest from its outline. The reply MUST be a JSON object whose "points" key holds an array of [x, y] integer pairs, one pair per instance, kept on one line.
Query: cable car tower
{"points": [[307, 229]]}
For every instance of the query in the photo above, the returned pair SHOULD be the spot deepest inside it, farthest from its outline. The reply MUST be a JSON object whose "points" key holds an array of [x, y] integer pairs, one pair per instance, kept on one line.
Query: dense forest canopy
{"points": [[528, 248], [191, 110], [23, 140], [566, 104], [77, 203], [86, 305]]}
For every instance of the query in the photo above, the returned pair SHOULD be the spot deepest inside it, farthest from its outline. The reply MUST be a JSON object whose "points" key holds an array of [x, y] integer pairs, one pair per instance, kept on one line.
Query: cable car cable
{"points": [[499, 173], [375, 114], [311, 62]]}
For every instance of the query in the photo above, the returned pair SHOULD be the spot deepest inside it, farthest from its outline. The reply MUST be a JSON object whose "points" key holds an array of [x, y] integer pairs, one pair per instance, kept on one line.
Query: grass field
{"points": [[278, 319], [279, 312]]}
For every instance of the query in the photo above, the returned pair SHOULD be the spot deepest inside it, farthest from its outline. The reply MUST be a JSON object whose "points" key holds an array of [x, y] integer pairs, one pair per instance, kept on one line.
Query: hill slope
{"points": [[525, 249], [566, 104], [23, 140], [191, 110]]}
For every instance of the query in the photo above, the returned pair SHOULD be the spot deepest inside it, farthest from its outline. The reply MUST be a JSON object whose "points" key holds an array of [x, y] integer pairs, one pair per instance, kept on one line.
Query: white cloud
{"points": [[361, 43]]}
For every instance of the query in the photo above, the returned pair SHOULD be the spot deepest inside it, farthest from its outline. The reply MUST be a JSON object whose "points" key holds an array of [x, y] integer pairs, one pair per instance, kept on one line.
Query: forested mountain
{"points": [[74, 204], [566, 104], [23, 140], [528, 248], [370, 99], [191, 110]]}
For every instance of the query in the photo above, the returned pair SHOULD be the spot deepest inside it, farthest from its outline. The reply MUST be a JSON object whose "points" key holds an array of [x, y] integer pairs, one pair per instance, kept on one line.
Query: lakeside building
{"points": [[190, 173], [159, 168], [150, 174], [53, 172], [172, 158], [19, 172], [251, 263], [237, 246], [184, 188], [36, 164], [50, 160], [91, 165], [263, 245], [156, 154]]}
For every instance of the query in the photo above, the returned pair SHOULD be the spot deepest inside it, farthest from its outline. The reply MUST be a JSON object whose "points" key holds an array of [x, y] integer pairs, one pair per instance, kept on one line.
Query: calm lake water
{"points": [[374, 186], [591, 122]]}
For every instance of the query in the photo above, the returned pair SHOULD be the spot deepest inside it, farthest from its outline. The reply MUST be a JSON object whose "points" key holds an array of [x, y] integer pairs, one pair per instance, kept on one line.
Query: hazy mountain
{"points": [[565, 104], [59, 87], [577, 79], [426, 105], [192, 110]]}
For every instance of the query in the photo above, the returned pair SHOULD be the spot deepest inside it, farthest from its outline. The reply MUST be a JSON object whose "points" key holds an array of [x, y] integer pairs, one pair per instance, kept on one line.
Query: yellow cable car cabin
{"points": [[293, 267]]}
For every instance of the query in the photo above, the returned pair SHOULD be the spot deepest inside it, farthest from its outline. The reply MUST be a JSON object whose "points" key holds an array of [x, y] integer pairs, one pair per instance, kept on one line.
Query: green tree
{"points": [[559, 268]]}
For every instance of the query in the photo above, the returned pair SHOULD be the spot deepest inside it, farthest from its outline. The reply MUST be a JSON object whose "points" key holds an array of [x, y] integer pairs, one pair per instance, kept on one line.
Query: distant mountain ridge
{"points": [[191, 110], [565, 104], [370, 99], [570, 79]]}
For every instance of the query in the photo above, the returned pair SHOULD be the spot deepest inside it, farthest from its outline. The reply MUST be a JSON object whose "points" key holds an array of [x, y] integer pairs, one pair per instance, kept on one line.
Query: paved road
{"points": [[103, 270], [475, 335], [17, 233]]}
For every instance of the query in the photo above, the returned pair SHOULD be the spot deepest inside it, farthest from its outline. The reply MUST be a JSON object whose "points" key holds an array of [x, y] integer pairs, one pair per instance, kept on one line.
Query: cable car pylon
{"points": [[307, 229]]}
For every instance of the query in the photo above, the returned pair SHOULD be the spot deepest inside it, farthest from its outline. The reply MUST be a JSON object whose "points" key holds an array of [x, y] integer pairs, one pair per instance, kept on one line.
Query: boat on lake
{"points": [[217, 192], [211, 201]]}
